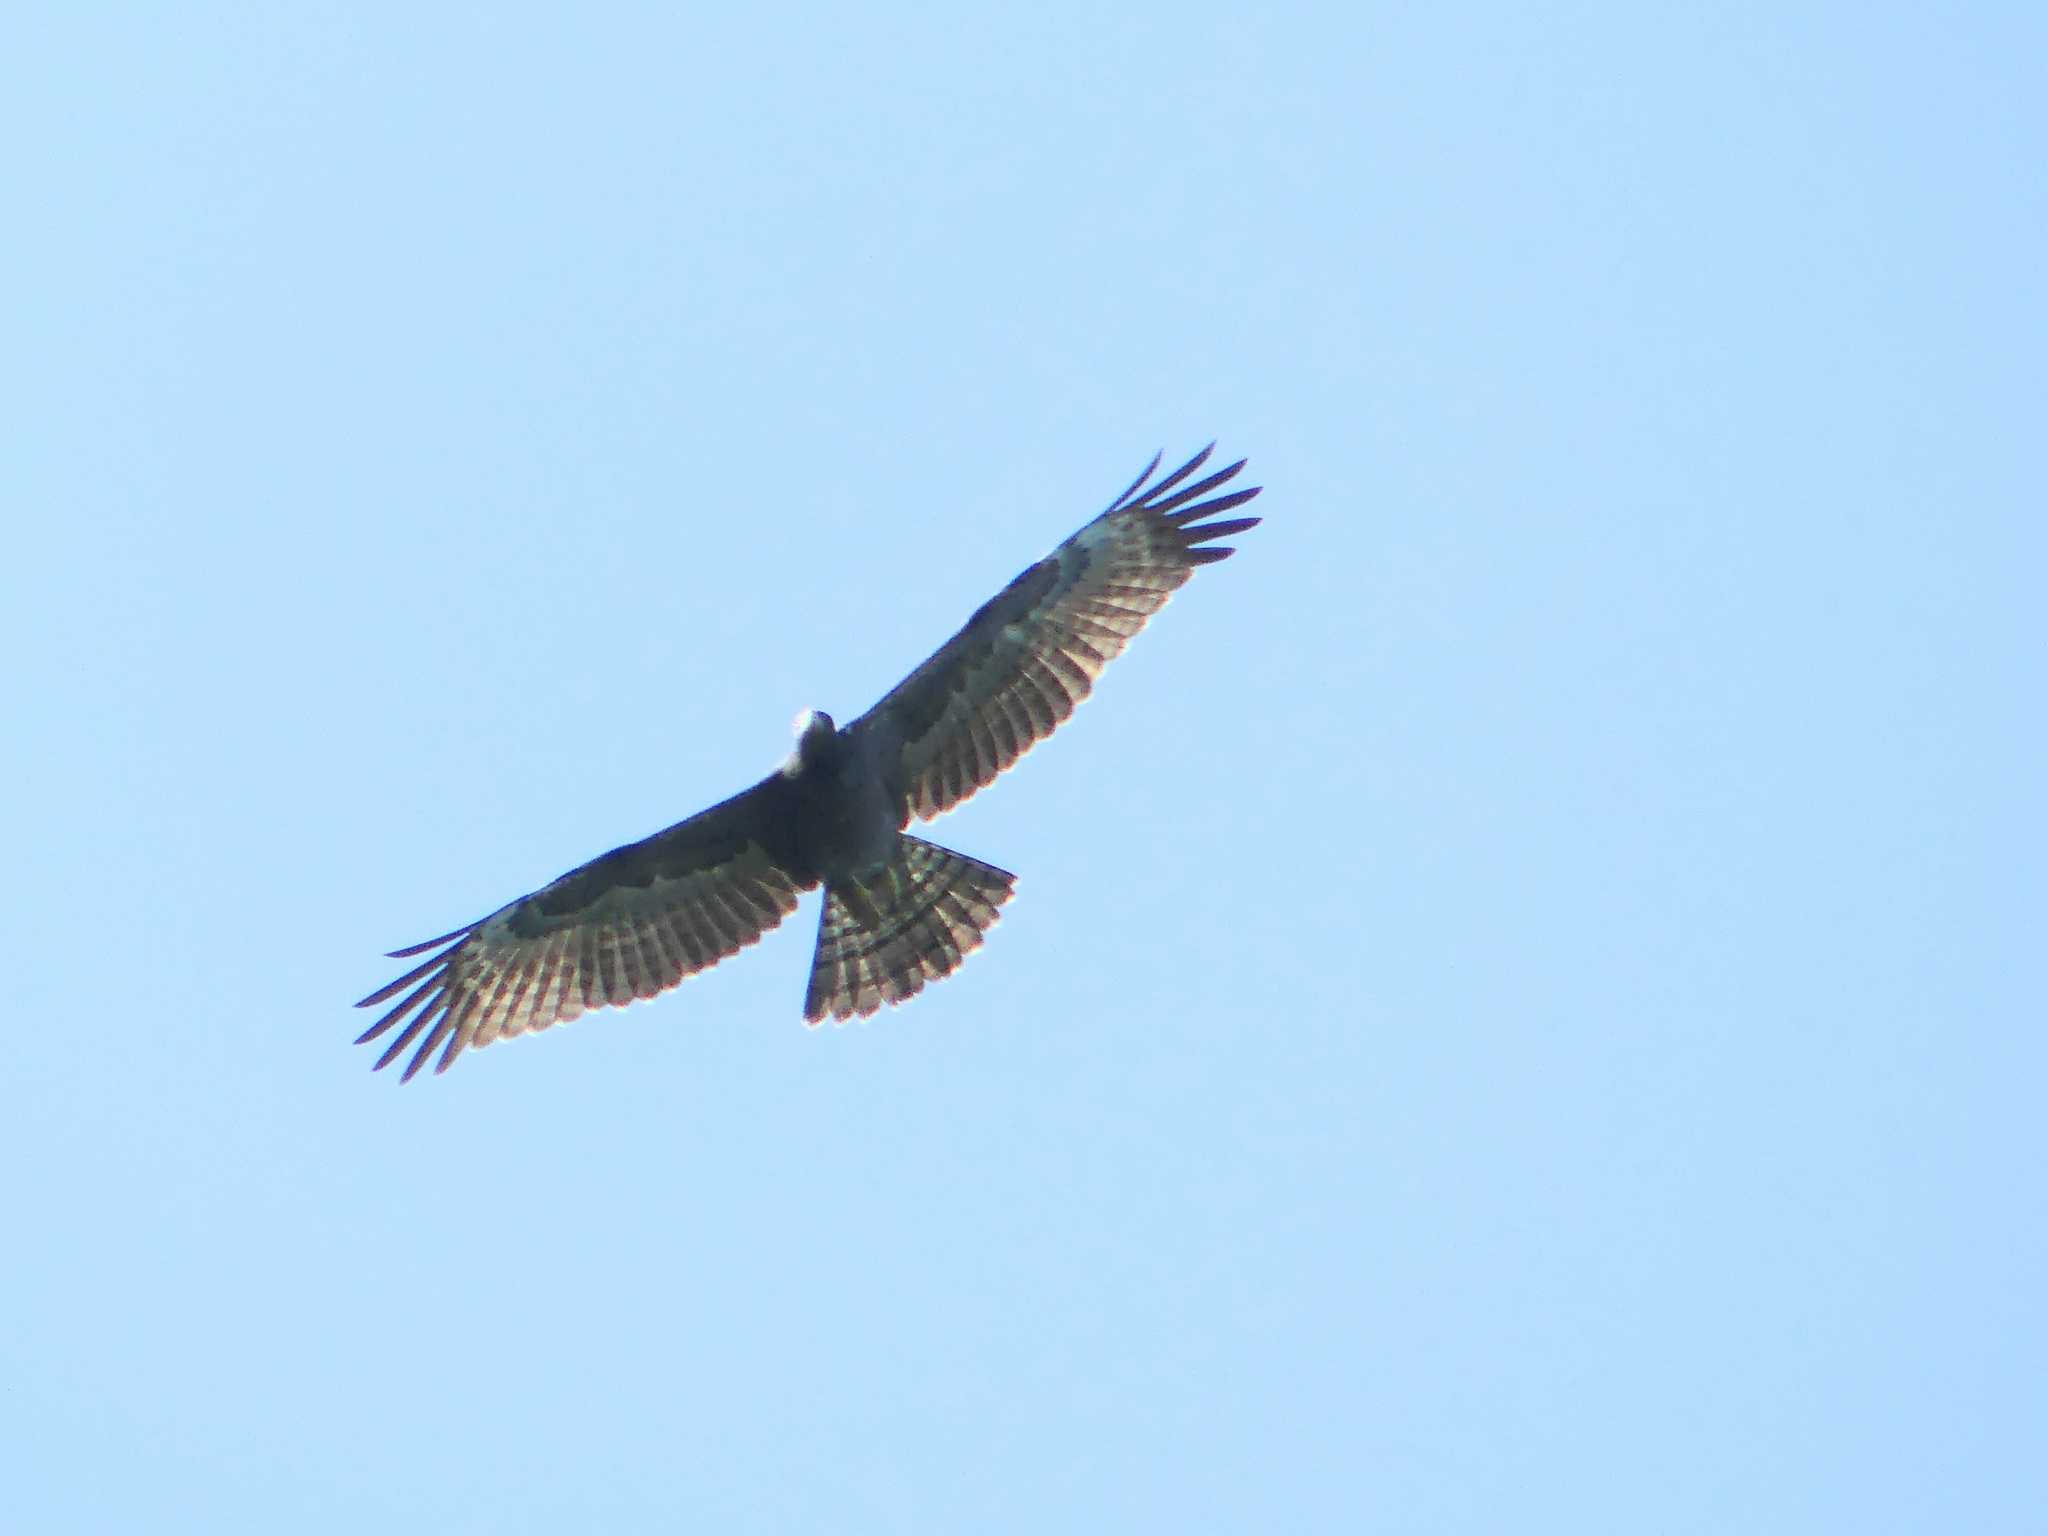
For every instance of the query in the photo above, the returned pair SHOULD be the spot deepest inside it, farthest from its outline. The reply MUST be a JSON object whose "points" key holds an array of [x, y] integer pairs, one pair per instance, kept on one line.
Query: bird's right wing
{"points": [[1033, 651], [628, 925]]}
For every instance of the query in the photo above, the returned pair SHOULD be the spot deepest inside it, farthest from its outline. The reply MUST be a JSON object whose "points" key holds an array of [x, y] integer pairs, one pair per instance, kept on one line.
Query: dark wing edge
{"points": [[1032, 653], [626, 926]]}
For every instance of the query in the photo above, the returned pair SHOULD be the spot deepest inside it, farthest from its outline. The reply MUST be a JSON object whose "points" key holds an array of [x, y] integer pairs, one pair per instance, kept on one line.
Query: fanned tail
{"points": [[883, 936]]}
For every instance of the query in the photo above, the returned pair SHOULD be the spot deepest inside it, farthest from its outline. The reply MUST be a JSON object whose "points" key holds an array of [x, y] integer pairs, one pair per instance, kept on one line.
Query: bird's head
{"points": [[814, 728]]}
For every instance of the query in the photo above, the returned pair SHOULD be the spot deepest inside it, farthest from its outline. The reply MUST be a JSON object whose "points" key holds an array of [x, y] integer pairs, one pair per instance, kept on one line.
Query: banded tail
{"points": [[883, 936]]}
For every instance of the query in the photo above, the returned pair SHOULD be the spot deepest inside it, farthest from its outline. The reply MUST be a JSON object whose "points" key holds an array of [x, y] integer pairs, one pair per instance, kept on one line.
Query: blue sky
{"points": [[1522, 1008]]}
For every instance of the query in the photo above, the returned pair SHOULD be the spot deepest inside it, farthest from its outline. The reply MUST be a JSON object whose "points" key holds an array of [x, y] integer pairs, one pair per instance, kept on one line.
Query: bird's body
{"points": [[839, 800], [898, 911]]}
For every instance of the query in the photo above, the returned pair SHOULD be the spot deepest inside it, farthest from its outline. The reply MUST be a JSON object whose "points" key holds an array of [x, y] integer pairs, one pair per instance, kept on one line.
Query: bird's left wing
{"points": [[628, 925], [1033, 652]]}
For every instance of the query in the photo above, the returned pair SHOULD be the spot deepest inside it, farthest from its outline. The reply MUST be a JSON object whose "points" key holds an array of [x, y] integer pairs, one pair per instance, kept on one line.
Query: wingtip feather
{"points": [[1184, 471], [1143, 475], [1223, 530], [420, 949]]}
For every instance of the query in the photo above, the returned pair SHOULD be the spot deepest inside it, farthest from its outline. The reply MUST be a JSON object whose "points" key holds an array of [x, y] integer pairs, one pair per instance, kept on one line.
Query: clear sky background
{"points": [[1523, 1009]]}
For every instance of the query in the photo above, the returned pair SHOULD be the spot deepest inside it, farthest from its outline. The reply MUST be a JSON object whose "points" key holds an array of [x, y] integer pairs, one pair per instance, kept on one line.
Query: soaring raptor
{"points": [[899, 911]]}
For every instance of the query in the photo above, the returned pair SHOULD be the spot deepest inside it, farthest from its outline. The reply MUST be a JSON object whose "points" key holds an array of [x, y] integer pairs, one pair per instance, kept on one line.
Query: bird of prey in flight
{"points": [[898, 911]]}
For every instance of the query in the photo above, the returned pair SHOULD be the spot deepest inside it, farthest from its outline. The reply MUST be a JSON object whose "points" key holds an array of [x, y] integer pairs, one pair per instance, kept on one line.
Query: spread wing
{"points": [[628, 925], [1033, 651]]}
